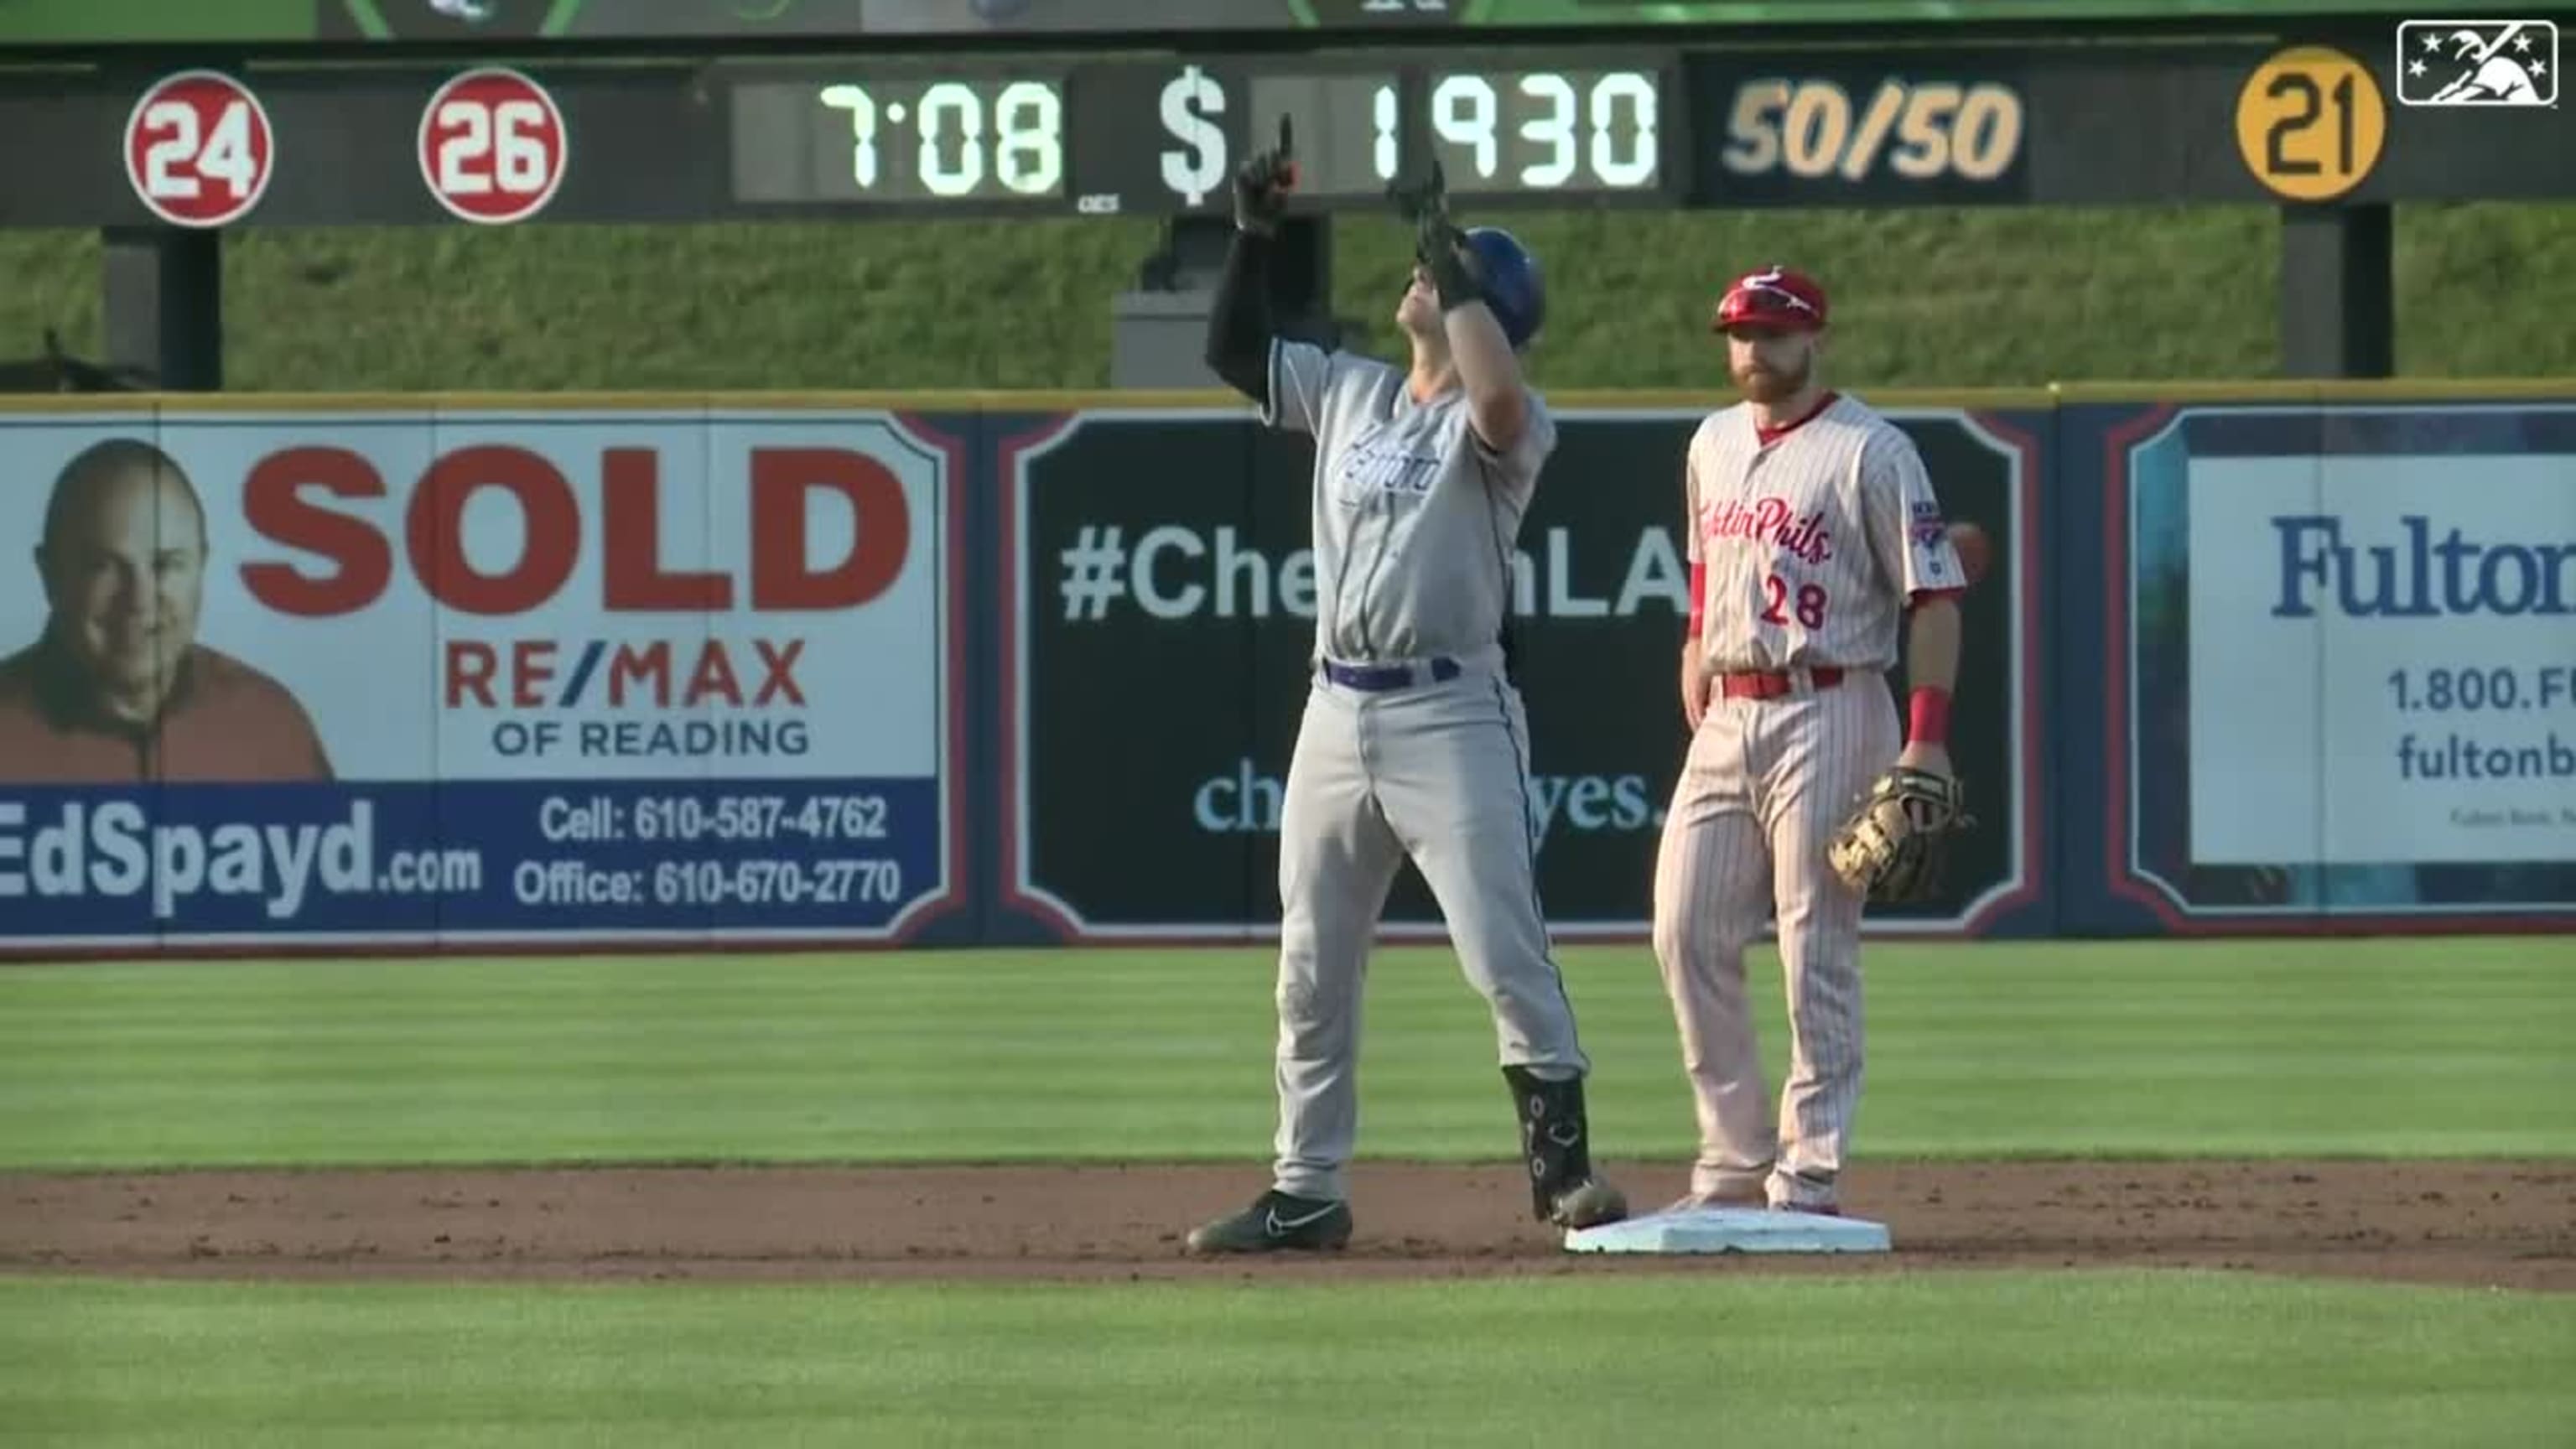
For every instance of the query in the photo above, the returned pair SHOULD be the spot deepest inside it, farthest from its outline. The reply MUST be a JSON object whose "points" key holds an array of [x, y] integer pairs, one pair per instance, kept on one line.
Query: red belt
{"points": [[1772, 684]]}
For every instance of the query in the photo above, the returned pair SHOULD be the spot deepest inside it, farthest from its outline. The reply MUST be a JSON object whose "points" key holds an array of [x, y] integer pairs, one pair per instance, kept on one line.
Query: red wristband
{"points": [[1927, 717], [1699, 595]]}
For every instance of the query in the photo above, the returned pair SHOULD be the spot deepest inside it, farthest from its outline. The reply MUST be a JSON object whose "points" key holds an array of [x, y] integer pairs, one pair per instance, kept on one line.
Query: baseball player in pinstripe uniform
{"points": [[1815, 541], [1414, 743]]}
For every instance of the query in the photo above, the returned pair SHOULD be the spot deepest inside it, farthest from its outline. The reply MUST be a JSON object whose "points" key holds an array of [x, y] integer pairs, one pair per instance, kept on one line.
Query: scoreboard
{"points": [[2335, 115], [1108, 138], [751, 138]]}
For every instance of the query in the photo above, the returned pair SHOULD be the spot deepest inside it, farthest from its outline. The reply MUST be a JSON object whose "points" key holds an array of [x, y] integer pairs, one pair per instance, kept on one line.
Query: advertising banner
{"points": [[2350, 646], [1155, 660], [285, 675], [413, 676]]}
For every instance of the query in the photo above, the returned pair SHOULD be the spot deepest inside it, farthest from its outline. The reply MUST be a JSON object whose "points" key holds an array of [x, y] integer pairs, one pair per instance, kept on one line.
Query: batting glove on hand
{"points": [[1262, 184], [1455, 271], [1438, 244]]}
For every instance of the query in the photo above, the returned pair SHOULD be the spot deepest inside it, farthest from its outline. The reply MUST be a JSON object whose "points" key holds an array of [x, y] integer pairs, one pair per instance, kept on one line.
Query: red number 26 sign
{"points": [[492, 146]]}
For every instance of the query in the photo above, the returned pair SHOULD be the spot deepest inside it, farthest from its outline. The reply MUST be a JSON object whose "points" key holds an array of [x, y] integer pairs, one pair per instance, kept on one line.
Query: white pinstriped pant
{"points": [[1763, 788]]}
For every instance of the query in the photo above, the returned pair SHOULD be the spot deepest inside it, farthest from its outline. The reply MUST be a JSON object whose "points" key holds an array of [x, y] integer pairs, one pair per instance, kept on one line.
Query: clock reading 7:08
{"points": [[942, 130], [900, 138]]}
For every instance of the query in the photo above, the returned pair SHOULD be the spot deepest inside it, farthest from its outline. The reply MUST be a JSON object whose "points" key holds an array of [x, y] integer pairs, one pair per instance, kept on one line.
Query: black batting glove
{"points": [[1262, 184], [1438, 244], [1442, 250]]}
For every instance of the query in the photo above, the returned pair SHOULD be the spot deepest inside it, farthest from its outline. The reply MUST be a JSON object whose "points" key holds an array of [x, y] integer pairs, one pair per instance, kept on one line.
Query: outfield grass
{"points": [[2129, 1359], [2358, 1048], [2371, 1048], [1933, 297]]}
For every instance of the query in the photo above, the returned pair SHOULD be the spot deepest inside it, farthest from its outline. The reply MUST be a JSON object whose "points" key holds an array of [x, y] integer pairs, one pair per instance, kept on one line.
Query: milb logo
{"points": [[2477, 63]]}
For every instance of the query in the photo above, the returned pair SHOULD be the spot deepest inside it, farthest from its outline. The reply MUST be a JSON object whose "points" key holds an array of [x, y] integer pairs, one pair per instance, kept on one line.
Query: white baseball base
{"points": [[1731, 1230]]}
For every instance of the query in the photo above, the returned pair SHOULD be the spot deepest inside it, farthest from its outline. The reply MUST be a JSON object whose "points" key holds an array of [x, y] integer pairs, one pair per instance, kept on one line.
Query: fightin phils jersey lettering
{"points": [[1813, 543], [1415, 517]]}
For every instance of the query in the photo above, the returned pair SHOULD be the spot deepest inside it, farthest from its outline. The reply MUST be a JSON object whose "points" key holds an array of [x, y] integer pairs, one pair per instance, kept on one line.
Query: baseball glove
{"points": [[1892, 848]]}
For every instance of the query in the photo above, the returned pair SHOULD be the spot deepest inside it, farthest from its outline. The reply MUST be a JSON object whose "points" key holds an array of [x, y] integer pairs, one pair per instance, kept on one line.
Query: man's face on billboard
{"points": [[126, 580]]}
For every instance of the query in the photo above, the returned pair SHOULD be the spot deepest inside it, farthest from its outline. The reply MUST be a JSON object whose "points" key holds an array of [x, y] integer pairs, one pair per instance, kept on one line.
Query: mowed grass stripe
{"points": [[1937, 1359], [2372, 1048]]}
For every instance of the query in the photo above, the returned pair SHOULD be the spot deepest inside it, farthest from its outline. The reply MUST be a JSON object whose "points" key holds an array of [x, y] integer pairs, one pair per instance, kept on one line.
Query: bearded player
{"points": [[1815, 541], [1414, 743]]}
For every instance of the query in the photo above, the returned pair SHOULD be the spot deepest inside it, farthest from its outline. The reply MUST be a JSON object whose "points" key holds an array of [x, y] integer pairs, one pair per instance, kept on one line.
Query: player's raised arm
{"points": [[1240, 329], [1490, 303], [1488, 369], [1488, 363]]}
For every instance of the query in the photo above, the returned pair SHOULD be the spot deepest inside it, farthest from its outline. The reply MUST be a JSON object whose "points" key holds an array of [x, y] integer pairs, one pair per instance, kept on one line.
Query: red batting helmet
{"points": [[1772, 297]]}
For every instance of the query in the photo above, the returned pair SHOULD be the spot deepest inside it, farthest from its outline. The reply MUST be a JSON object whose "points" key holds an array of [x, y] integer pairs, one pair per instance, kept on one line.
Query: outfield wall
{"points": [[542, 672]]}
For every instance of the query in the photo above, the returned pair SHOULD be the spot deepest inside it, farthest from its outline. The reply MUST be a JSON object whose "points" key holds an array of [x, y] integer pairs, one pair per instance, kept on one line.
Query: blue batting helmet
{"points": [[1514, 291]]}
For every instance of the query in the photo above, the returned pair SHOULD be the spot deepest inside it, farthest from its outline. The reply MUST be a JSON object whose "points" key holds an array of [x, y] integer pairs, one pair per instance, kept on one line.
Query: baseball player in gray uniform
{"points": [[1815, 540], [1413, 742]]}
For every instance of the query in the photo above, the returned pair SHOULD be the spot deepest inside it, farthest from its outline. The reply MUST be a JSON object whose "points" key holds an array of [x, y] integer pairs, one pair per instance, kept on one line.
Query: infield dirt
{"points": [[2498, 1224]]}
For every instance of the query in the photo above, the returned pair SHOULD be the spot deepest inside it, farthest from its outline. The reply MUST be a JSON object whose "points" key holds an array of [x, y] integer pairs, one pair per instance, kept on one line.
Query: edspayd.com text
{"points": [[116, 851]]}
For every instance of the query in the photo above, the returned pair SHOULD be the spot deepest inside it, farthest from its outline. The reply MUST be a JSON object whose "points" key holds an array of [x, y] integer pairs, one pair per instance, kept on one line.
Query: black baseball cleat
{"points": [[1277, 1222]]}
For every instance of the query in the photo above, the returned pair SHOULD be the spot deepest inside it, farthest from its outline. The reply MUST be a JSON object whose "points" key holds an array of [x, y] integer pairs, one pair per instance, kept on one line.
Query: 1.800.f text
{"points": [[2471, 689]]}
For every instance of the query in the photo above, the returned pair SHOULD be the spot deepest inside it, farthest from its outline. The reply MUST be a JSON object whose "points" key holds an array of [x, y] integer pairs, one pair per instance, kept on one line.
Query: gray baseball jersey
{"points": [[1415, 522], [1415, 518], [1813, 542]]}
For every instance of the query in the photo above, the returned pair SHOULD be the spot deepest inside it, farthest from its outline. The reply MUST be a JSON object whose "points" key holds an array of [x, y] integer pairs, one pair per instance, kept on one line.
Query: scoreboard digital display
{"points": [[1079, 133], [1350, 128], [1589, 129], [1111, 137], [907, 138]]}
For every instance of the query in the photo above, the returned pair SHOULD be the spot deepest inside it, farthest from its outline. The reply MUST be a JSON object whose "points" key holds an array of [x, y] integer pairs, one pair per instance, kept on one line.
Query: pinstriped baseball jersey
{"points": [[1814, 542], [1415, 518]]}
